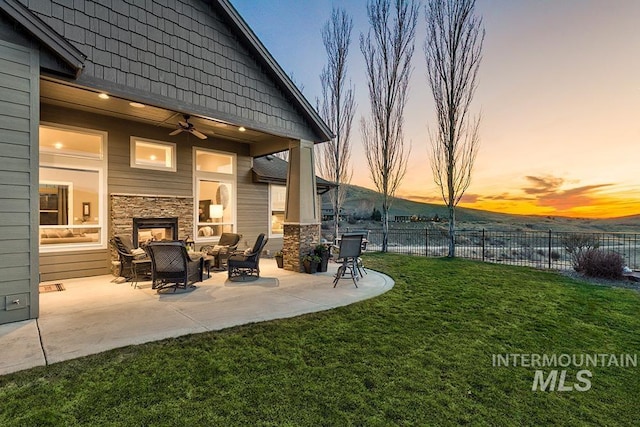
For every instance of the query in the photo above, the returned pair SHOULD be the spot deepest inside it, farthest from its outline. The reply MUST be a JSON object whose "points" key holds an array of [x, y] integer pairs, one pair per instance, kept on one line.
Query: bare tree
{"points": [[453, 50], [387, 49], [337, 109]]}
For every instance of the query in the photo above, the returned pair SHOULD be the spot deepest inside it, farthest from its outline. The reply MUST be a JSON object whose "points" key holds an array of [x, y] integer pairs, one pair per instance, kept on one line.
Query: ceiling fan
{"points": [[188, 127]]}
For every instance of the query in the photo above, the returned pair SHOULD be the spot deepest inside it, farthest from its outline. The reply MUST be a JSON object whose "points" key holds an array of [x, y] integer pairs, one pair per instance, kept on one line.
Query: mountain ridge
{"points": [[361, 201]]}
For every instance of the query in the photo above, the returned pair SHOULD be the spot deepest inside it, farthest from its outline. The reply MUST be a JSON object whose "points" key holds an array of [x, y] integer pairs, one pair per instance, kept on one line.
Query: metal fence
{"points": [[541, 249]]}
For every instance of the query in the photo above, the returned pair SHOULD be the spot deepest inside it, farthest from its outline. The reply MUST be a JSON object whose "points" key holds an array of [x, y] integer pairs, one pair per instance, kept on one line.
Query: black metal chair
{"points": [[350, 251], [246, 264], [132, 265], [172, 267], [221, 251]]}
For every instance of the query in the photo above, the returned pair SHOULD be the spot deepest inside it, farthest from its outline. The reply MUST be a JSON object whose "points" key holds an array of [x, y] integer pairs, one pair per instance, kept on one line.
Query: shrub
{"points": [[311, 257], [320, 250], [599, 263], [578, 244]]}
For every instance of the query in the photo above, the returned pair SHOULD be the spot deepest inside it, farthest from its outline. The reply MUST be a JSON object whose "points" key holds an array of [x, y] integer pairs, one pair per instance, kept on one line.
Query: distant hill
{"points": [[361, 201]]}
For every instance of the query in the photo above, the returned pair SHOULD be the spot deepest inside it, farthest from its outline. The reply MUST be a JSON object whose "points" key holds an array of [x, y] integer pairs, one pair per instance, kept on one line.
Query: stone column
{"points": [[301, 221]]}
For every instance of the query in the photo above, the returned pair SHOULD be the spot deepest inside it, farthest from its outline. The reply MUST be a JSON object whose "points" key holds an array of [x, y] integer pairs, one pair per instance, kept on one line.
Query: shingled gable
{"points": [[196, 56]]}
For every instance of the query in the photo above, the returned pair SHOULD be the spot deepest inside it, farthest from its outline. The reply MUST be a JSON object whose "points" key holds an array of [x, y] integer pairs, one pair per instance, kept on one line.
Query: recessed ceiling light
{"points": [[241, 129], [153, 157], [58, 145], [103, 96], [136, 105]]}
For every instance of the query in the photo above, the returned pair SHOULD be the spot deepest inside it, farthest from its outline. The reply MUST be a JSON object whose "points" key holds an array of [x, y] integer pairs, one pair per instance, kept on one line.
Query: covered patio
{"points": [[116, 111], [95, 314]]}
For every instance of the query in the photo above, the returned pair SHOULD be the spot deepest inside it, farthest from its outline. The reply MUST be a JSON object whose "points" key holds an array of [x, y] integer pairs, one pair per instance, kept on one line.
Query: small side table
{"points": [[208, 259], [141, 268]]}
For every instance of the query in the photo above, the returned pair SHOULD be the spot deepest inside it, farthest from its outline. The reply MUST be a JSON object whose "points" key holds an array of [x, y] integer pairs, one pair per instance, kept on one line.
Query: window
{"points": [[207, 161], [148, 154], [277, 197], [72, 193], [215, 184], [72, 143]]}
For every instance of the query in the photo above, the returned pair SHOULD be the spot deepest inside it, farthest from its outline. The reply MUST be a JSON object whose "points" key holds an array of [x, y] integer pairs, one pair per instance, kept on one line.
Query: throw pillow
{"points": [[137, 251]]}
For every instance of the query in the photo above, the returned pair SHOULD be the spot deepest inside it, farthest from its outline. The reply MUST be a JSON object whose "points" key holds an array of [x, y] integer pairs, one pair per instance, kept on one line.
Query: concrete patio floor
{"points": [[94, 314]]}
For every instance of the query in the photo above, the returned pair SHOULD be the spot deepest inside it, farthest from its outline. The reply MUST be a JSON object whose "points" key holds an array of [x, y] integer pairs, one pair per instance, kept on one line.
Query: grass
{"points": [[417, 355]]}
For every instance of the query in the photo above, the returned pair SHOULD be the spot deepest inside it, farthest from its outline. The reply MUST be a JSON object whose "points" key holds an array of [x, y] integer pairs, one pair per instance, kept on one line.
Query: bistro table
{"points": [[208, 259]]}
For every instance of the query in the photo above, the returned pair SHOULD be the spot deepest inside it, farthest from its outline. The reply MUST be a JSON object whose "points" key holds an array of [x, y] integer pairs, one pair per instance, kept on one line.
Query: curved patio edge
{"points": [[95, 314]]}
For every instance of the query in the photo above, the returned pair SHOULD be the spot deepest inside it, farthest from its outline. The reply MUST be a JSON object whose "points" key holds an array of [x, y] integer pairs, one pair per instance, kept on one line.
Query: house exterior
{"points": [[140, 117], [272, 171]]}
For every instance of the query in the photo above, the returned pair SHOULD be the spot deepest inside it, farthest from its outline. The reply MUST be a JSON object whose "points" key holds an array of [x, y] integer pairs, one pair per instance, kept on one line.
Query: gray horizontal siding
{"points": [[67, 265], [18, 178], [253, 206]]}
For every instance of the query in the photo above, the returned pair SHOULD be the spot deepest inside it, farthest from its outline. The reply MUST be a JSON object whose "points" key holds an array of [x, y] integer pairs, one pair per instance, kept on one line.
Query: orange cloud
{"points": [[549, 195], [543, 185], [574, 198], [545, 195]]}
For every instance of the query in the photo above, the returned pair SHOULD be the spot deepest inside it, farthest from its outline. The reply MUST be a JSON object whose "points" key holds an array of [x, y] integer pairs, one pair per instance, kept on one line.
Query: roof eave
{"points": [[45, 34], [240, 25], [321, 188]]}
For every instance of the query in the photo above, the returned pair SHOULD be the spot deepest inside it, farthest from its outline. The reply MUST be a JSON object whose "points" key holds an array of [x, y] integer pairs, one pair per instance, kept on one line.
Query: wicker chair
{"points": [[128, 268], [172, 267], [221, 251], [245, 265]]}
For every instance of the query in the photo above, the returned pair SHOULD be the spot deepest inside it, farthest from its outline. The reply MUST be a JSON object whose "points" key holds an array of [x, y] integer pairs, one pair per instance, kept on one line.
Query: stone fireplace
{"points": [[146, 229], [124, 208]]}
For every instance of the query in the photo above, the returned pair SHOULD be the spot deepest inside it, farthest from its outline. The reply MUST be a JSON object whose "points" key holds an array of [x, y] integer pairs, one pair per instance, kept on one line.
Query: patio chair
{"points": [[350, 250], [246, 264], [363, 246], [365, 237], [172, 267], [221, 251], [133, 264]]}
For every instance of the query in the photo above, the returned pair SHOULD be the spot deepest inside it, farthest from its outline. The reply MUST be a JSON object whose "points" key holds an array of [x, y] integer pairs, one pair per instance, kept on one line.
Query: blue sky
{"points": [[559, 94]]}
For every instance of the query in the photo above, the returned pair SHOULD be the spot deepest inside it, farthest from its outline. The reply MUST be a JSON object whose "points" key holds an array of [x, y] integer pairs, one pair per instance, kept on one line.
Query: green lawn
{"points": [[420, 354]]}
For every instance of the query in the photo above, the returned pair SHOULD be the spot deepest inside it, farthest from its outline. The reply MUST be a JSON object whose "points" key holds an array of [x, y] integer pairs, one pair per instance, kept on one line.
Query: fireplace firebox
{"points": [[148, 229]]}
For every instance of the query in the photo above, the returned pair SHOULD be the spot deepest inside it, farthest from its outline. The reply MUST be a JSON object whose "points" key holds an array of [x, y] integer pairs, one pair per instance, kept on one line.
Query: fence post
{"points": [[426, 241], [549, 252], [483, 245]]}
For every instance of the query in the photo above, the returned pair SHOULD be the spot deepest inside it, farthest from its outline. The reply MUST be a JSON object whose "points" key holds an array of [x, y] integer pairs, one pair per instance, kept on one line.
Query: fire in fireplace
{"points": [[147, 229]]}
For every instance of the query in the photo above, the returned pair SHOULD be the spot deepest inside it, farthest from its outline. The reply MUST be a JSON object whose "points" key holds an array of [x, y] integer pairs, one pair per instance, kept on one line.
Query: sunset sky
{"points": [[559, 93]]}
